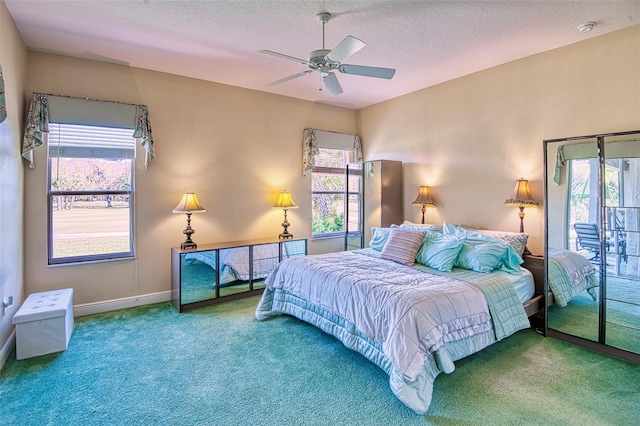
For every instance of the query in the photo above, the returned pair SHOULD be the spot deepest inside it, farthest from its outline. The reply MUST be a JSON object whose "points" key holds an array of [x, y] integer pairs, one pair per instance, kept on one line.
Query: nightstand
{"points": [[535, 264]]}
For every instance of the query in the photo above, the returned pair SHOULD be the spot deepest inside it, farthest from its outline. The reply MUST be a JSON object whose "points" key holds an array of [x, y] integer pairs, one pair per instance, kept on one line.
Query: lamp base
{"points": [[188, 245], [285, 236]]}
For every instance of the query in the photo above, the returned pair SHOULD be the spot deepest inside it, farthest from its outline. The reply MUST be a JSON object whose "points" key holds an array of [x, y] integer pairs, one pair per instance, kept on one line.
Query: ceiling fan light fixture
{"points": [[323, 17], [325, 61]]}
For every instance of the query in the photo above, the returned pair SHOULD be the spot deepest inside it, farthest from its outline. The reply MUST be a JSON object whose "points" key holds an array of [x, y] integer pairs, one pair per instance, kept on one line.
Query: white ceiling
{"points": [[427, 42]]}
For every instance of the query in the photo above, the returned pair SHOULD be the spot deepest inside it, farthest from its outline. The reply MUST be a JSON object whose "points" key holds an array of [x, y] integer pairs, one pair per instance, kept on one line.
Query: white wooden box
{"points": [[44, 323]]}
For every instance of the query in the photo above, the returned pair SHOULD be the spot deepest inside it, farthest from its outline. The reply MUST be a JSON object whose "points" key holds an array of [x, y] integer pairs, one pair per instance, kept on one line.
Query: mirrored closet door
{"points": [[592, 247]]}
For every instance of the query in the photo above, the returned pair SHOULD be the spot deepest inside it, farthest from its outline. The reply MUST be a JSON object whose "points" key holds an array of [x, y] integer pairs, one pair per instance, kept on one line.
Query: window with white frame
{"points": [[330, 199], [90, 193]]}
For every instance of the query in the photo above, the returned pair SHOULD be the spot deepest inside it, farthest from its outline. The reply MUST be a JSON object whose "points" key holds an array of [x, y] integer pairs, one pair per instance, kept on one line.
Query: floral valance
{"points": [[310, 144], [37, 125], [3, 100]]}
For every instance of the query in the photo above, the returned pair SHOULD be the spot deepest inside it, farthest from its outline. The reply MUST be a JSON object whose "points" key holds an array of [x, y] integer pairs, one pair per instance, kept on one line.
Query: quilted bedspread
{"points": [[569, 275], [410, 322]]}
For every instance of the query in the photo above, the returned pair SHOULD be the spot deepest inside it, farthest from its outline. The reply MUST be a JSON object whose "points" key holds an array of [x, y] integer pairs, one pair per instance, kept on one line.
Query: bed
{"points": [[412, 320], [234, 262]]}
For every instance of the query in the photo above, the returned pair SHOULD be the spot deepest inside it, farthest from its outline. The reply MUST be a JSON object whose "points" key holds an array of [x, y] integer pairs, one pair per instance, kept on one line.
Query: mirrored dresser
{"points": [[214, 273]]}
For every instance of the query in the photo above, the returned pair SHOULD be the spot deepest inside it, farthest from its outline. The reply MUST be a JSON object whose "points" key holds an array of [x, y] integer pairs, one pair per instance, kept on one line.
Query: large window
{"points": [[329, 192], [90, 193]]}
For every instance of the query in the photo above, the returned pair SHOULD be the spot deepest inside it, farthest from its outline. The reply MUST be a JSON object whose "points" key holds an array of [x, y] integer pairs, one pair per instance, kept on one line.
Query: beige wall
{"points": [[236, 148], [472, 137], [13, 59]]}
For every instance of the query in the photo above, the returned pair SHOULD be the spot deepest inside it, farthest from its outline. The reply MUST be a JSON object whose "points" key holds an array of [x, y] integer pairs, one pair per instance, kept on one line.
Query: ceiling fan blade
{"points": [[291, 77], [345, 48], [280, 55], [332, 84], [387, 73]]}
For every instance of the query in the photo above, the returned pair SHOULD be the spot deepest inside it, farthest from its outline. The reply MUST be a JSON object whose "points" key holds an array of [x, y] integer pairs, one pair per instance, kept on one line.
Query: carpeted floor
{"points": [[580, 316], [219, 366]]}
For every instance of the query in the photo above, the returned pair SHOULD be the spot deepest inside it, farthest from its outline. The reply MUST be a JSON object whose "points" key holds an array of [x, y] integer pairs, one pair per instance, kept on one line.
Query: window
{"points": [[329, 191], [90, 193]]}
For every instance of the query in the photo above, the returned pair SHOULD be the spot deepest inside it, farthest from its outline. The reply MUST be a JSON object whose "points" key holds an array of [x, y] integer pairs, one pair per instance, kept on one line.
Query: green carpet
{"points": [[219, 366], [580, 316]]}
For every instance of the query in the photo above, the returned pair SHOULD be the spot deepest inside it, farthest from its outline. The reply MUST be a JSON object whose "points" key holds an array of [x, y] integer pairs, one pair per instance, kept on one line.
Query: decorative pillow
{"points": [[439, 251], [379, 237], [516, 239], [402, 246], [511, 261], [481, 256], [480, 261], [420, 228], [419, 225]]}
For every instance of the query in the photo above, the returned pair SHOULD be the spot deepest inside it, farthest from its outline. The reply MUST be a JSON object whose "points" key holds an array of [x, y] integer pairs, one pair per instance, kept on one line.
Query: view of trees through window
{"points": [[90, 198], [328, 191], [581, 173]]}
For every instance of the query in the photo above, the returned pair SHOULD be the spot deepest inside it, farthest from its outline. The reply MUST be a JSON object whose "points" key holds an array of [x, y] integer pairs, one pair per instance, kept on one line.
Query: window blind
{"points": [[71, 140]]}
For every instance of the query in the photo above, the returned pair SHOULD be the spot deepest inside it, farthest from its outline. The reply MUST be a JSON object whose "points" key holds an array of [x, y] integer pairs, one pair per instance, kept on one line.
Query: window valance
{"points": [[3, 101], [46, 108], [314, 139]]}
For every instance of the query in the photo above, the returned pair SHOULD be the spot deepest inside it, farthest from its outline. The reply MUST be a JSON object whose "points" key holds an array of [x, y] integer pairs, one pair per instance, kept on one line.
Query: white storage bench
{"points": [[44, 323]]}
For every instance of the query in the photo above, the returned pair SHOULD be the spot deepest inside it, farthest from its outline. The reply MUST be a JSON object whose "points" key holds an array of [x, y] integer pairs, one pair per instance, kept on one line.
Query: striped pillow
{"points": [[402, 246]]}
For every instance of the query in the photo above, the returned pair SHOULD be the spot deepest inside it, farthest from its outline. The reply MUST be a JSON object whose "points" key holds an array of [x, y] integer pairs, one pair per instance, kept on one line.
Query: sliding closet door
{"points": [[592, 208], [621, 292], [572, 205]]}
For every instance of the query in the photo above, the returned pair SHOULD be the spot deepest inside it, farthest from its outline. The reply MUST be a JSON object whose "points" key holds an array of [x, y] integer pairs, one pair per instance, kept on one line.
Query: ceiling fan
{"points": [[326, 61]]}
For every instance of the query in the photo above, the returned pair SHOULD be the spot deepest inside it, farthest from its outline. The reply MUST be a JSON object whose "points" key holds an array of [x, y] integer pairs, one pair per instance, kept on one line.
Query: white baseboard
{"points": [[115, 304], [94, 308], [6, 349]]}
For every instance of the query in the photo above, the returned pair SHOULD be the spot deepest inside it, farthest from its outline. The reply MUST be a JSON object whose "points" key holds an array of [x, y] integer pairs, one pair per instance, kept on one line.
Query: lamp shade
{"points": [[521, 196], [424, 198], [285, 201], [189, 204]]}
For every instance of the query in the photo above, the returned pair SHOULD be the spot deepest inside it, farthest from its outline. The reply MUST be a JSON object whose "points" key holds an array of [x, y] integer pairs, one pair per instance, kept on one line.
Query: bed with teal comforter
{"points": [[412, 321]]}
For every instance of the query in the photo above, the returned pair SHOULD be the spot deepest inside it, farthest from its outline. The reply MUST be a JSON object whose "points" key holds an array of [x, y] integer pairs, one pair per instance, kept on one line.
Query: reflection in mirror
{"points": [[593, 240], [198, 276], [355, 233], [572, 199], [234, 270], [294, 248], [622, 209]]}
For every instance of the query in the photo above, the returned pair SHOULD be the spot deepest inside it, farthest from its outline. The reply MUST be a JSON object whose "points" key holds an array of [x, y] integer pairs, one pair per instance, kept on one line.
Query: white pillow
{"points": [[517, 240]]}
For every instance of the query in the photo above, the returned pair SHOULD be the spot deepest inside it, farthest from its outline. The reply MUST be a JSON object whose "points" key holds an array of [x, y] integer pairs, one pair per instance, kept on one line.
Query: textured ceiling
{"points": [[427, 42]]}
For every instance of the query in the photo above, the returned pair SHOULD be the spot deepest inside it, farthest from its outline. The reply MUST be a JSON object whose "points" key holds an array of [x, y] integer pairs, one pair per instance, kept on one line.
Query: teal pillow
{"points": [[439, 251], [379, 237], [481, 256], [509, 262]]}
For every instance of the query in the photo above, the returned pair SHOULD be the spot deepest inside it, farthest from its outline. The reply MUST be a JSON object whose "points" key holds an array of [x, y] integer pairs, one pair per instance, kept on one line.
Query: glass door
{"points": [[621, 292]]}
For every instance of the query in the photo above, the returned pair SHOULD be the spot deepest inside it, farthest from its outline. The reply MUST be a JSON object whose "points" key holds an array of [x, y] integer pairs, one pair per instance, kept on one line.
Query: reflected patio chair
{"points": [[588, 237]]}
